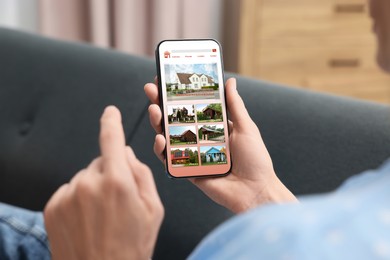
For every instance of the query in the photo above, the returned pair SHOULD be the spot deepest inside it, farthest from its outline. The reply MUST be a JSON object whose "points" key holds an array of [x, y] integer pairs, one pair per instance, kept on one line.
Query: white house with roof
{"points": [[192, 81]]}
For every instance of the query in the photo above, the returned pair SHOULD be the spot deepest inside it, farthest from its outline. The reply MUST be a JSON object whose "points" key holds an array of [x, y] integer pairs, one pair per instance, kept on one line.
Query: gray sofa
{"points": [[52, 94]]}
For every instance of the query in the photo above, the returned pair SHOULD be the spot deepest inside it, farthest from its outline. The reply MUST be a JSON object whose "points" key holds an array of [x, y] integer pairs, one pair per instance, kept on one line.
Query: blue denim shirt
{"points": [[22, 234], [352, 222]]}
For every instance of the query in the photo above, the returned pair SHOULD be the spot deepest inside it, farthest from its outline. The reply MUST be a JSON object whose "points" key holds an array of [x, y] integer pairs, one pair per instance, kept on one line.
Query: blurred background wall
{"points": [[19, 14], [325, 45]]}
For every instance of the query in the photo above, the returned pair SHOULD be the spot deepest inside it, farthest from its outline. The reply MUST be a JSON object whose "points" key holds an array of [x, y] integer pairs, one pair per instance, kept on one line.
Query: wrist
{"points": [[279, 193], [274, 191]]}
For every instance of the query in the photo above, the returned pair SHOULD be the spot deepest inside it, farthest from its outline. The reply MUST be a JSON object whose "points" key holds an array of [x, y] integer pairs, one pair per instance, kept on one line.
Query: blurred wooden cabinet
{"points": [[325, 45]]}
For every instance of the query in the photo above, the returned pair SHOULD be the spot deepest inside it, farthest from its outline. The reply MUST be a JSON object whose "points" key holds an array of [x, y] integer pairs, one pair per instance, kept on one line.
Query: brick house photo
{"points": [[179, 135], [180, 157], [212, 113], [209, 112], [184, 156]]}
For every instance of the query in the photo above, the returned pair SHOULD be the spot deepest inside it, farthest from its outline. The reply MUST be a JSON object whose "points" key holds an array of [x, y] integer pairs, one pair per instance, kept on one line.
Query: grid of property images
{"points": [[196, 131], [191, 125]]}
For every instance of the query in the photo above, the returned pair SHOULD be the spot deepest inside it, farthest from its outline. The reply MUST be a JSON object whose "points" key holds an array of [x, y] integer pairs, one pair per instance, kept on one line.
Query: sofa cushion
{"points": [[51, 97]]}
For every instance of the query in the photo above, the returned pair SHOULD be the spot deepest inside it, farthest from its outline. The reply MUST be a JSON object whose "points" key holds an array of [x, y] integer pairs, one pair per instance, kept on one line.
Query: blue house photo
{"points": [[214, 155]]}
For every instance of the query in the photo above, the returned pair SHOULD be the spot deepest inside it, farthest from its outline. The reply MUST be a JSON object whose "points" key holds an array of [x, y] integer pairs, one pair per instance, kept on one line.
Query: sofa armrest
{"points": [[317, 140]]}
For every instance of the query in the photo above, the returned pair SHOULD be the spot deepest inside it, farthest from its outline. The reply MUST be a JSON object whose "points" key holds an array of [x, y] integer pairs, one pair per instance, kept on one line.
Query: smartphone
{"points": [[193, 104]]}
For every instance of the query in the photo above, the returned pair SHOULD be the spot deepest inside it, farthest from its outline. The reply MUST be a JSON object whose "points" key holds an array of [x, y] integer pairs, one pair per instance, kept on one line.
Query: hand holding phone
{"points": [[252, 180], [192, 99]]}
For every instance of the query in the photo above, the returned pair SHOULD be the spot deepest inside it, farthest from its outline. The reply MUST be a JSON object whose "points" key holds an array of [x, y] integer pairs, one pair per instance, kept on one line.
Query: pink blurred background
{"points": [[132, 26]]}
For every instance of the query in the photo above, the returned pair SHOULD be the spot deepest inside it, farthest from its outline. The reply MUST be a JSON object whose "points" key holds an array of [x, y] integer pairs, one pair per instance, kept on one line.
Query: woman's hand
{"points": [[111, 209], [252, 180]]}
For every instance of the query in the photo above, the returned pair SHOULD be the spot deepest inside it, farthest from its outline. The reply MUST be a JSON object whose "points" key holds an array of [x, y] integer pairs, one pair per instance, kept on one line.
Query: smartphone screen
{"points": [[192, 98]]}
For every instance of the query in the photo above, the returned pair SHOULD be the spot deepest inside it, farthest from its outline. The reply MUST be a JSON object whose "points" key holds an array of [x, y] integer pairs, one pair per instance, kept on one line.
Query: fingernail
{"points": [[108, 110], [112, 111]]}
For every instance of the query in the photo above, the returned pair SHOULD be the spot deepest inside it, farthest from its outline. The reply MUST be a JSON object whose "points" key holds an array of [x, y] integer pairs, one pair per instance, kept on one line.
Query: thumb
{"points": [[236, 107]]}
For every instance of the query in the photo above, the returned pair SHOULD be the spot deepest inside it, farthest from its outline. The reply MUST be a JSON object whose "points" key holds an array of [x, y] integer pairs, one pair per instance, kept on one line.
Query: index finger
{"points": [[237, 110], [112, 139]]}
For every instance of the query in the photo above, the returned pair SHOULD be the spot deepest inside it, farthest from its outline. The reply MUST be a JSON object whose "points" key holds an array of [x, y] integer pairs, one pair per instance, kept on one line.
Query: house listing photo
{"points": [[182, 157], [209, 112], [212, 155], [211, 134], [179, 135], [181, 114], [191, 81]]}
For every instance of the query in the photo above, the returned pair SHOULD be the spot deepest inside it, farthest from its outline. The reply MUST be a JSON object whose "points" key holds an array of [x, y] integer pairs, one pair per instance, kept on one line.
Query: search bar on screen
{"points": [[191, 51]]}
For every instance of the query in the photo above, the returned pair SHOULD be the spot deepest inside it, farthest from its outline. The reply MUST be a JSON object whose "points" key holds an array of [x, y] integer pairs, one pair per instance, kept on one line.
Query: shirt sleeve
{"points": [[350, 223]]}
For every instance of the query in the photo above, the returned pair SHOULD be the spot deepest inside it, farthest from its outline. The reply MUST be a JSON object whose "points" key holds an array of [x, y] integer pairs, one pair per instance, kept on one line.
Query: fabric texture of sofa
{"points": [[52, 94]]}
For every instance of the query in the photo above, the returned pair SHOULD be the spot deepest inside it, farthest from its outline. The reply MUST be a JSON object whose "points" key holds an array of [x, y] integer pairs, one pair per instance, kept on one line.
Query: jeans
{"points": [[22, 234]]}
